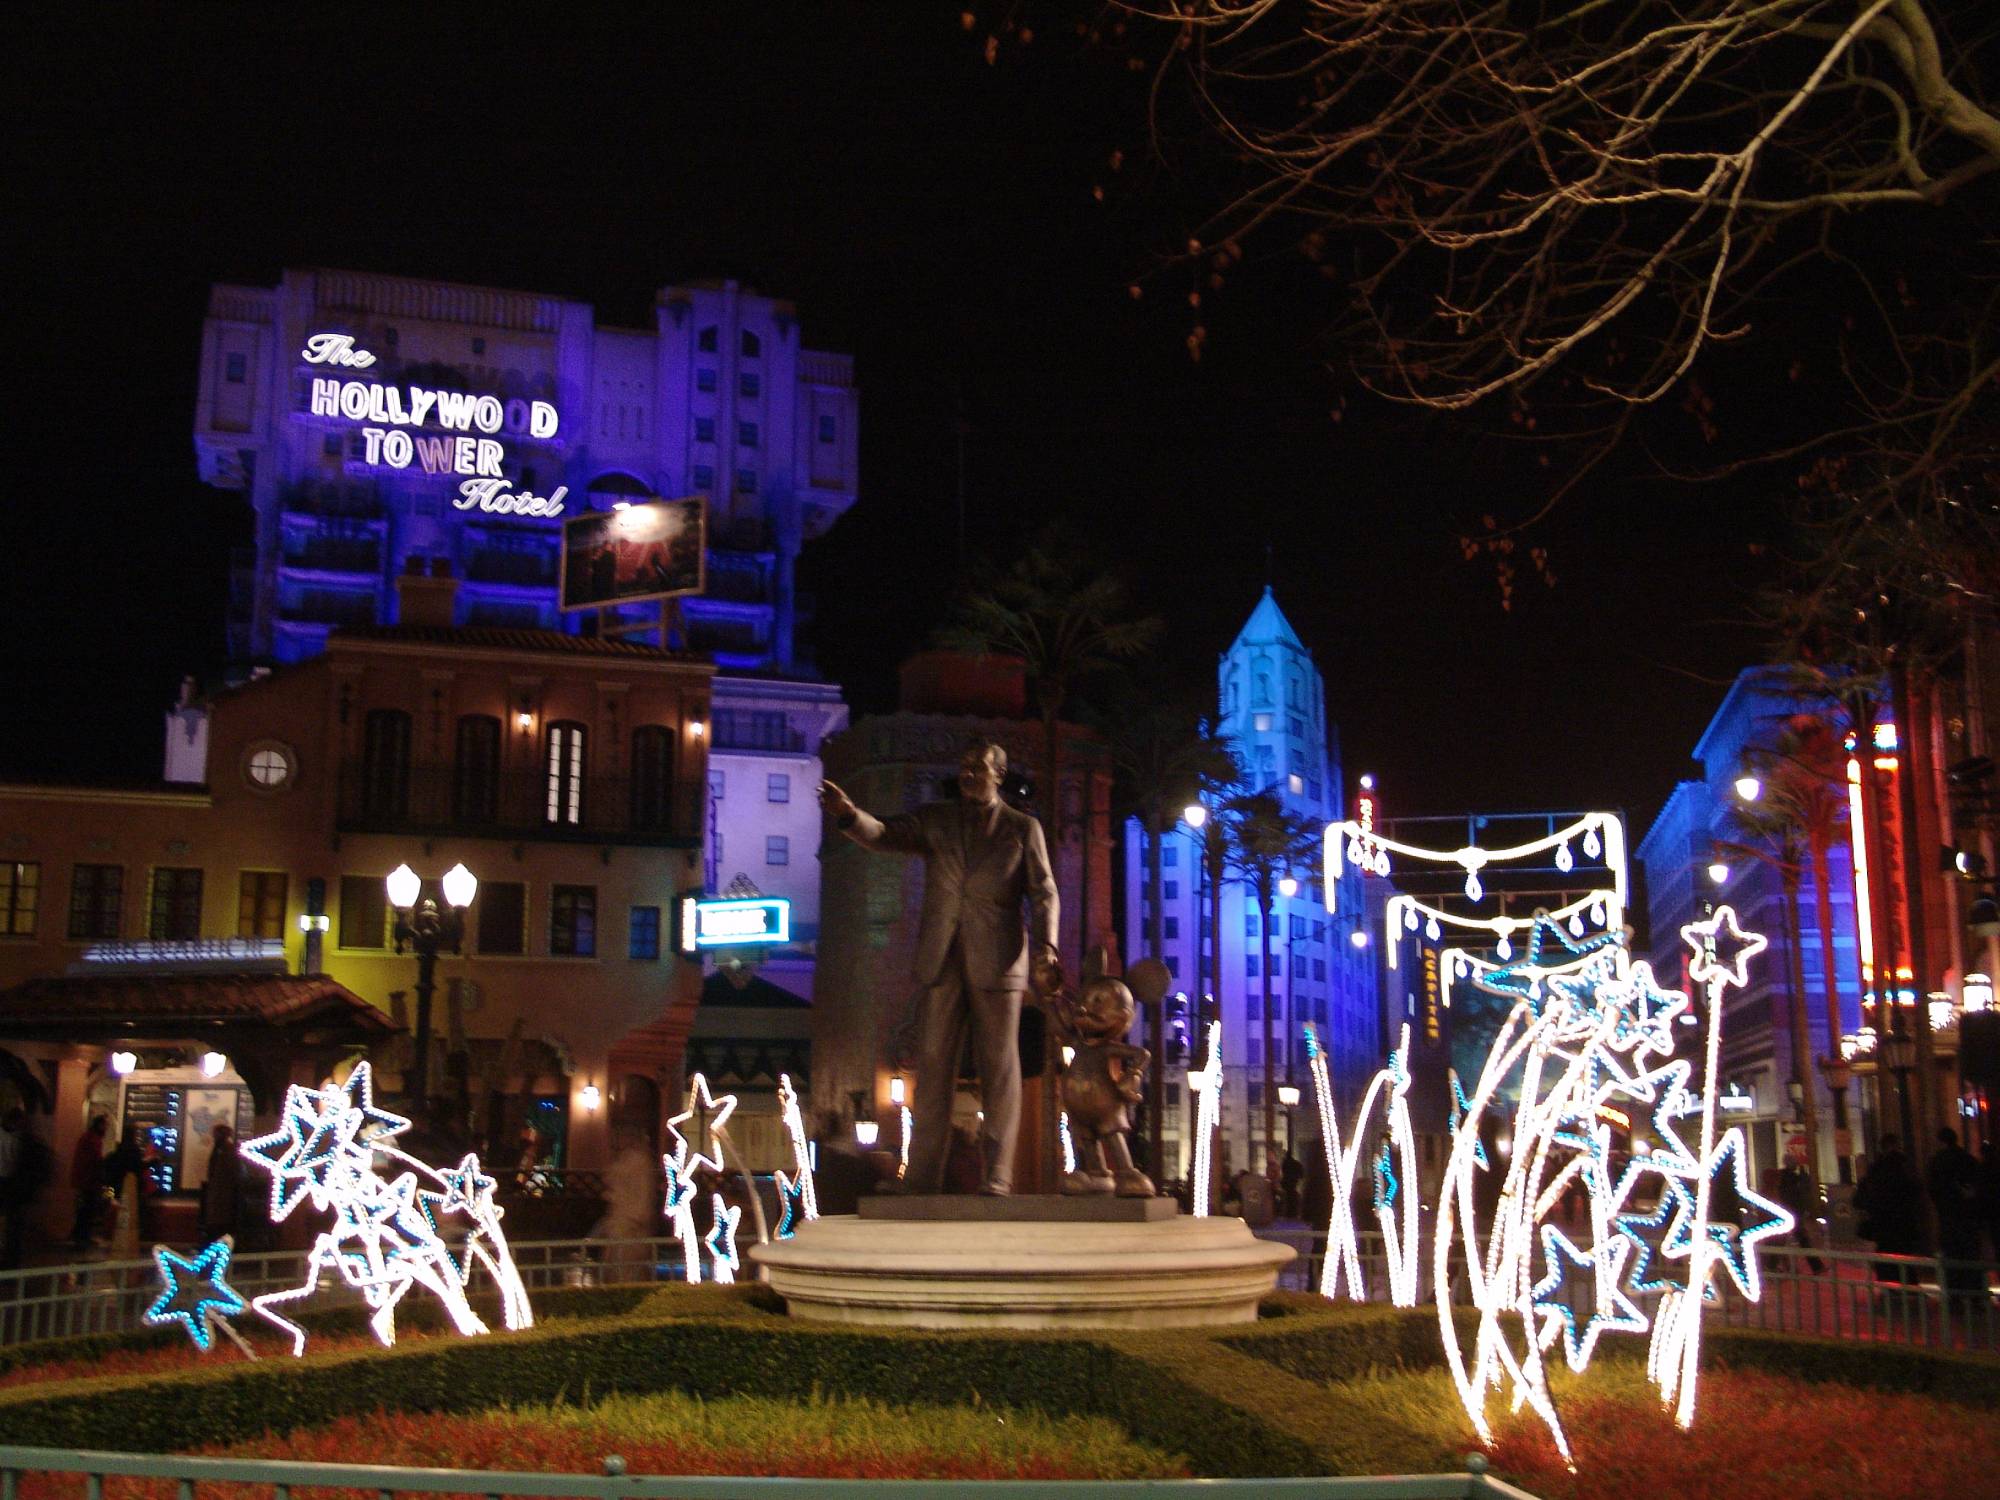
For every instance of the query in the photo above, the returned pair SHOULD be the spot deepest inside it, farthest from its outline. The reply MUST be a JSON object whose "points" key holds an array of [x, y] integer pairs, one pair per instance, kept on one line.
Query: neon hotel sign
{"points": [[456, 433]]}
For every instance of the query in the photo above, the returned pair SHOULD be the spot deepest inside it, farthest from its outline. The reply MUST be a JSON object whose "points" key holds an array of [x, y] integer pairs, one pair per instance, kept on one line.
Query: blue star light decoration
{"points": [[1521, 975], [1755, 1218], [1613, 1312], [195, 1293], [791, 1204], [721, 1241]]}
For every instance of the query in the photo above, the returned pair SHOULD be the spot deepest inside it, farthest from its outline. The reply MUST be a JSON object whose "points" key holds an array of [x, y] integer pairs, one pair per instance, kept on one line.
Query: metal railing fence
{"points": [[1899, 1299], [19, 1467], [1918, 1300], [55, 1302]]}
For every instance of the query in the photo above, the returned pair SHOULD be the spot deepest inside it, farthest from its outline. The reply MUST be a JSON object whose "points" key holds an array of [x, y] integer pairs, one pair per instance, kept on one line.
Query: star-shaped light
{"points": [[1722, 949], [791, 1204], [1615, 1312], [710, 1115], [194, 1291], [721, 1241], [1663, 1224], [680, 1181], [1520, 976], [1757, 1218]]}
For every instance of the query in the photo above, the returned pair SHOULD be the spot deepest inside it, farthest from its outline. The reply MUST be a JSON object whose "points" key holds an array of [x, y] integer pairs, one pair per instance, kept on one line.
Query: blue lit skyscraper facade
{"points": [[1271, 703]]}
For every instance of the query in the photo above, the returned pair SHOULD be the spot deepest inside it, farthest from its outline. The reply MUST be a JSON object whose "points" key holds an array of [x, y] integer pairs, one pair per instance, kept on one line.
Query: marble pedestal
{"points": [[1023, 1263]]}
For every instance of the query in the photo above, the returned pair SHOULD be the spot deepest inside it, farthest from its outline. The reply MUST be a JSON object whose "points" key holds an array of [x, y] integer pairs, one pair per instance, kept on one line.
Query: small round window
{"points": [[269, 767]]}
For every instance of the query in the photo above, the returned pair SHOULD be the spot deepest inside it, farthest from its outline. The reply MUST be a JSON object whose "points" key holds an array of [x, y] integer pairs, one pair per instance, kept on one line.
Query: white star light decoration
{"points": [[1206, 1083], [1576, 1042], [801, 1178], [1393, 1169], [711, 1118], [388, 1235]]}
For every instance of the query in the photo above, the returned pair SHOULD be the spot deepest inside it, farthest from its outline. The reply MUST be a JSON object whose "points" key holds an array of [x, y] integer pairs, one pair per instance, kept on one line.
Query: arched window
{"points": [[752, 346], [705, 341], [1295, 692], [565, 773], [652, 779], [1263, 698], [385, 763], [475, 785]]}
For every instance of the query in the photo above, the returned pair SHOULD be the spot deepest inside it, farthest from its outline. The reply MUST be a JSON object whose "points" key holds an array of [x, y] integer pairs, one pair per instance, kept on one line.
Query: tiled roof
{"points": [[496, 638], [97, 1001]]}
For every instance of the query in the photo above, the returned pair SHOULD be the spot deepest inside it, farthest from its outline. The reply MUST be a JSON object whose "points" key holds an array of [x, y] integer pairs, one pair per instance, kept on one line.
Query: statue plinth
{"points": [[1023, 1267], [1021, 1208]]}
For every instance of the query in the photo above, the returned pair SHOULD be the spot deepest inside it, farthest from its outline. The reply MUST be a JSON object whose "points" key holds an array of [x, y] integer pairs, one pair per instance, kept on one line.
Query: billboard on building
{"points": [[652, 551]]}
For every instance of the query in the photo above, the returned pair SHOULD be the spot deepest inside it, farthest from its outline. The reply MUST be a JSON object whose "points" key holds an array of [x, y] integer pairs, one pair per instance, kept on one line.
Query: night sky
{"points": [[931, 214]]}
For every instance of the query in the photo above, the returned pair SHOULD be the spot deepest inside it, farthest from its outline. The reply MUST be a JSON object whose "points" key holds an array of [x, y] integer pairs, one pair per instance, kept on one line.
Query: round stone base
{"points": [[1169, 1272]]}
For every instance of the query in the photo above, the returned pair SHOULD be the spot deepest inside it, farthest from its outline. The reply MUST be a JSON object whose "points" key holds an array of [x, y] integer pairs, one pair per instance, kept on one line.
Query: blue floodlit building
{"points": [[1684, 853], [1272, 705]]}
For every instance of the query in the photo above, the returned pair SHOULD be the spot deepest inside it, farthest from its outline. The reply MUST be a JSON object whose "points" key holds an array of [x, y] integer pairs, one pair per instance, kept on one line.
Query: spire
{"points": [[1267, 625]]}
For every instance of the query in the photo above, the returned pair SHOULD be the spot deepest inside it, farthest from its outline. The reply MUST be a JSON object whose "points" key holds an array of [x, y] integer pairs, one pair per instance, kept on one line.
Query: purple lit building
{"points": [[716, 396], [379, 423]]}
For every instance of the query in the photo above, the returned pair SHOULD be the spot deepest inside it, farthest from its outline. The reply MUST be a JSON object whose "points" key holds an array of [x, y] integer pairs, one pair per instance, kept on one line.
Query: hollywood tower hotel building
{"points": [[379, 422]]}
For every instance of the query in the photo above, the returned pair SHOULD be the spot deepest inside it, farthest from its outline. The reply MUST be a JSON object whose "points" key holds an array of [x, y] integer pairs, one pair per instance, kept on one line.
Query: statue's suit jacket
{"points": [[980, 864]]}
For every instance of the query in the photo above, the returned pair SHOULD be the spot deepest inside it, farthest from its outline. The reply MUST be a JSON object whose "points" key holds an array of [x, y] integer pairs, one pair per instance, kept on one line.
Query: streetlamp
{"points": [[420, 924], [1837, 1072], [1897, 1051], [1288, 1096]]}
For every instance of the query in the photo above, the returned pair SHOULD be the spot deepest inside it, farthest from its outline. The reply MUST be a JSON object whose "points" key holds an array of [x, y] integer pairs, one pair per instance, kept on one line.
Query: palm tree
{"points": [[1067, 625], [1165, 754], [1265, 842]]}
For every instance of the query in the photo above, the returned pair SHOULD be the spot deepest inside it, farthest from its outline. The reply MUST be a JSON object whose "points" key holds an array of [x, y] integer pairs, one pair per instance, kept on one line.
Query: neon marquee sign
{"points": [[457, 433]]}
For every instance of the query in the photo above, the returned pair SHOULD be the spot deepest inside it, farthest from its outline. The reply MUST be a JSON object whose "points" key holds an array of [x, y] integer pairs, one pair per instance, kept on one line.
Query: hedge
{"points": [[1265, 1399]]}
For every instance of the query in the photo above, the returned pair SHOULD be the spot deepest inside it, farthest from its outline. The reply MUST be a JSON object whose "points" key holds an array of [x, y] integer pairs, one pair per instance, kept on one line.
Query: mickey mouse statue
{"points": [[1103, 1077]]}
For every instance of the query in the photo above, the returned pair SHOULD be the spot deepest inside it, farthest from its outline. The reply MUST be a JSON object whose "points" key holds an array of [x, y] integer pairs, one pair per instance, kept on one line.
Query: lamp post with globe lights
{"points": [[428, 932]]}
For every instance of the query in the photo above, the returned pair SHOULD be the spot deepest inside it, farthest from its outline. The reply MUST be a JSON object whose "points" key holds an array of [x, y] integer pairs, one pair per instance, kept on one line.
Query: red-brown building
{"points": [[567, 773]]}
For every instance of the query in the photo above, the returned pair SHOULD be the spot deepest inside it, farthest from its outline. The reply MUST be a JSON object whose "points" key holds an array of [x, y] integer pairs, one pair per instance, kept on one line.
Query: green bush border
{"points": [[1248, 1400]]}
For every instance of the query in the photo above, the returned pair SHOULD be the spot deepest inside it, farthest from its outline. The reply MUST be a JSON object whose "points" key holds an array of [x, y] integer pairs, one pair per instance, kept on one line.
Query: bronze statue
{"points": [[974, 960], [1103, 1077]]}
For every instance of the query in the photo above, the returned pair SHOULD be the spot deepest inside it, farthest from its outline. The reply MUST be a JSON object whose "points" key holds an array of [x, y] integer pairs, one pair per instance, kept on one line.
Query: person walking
{"points": [[221, 1189], [1989, 1196], [1890, 1205], [1952, 1176], [1795, 1191], [86, 1181]]}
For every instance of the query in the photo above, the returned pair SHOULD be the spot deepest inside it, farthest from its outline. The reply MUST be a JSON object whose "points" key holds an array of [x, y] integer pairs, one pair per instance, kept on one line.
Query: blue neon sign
{"points": [[737, 922]]}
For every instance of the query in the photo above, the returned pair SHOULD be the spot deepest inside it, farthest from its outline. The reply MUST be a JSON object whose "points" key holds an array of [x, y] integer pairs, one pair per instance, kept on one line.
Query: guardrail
{"points": [[1920, 1300], [281, 1478], [53, 1302], [1898, 1299]]}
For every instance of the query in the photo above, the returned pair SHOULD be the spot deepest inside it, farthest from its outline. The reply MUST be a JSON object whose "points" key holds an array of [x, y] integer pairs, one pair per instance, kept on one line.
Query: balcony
{"points": [[310, 497], [739, 578], [769, 732], [329, 607], [434, 800], [335, 554], [526, 569]]}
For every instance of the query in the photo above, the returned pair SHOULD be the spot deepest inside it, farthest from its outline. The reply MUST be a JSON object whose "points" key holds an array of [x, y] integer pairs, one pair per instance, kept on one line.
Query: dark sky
{"points": [[927, 212]]}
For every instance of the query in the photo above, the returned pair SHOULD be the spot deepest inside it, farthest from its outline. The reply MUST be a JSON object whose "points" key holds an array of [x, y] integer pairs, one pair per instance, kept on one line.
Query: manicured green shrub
{"points": [[1271, 1398]]}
